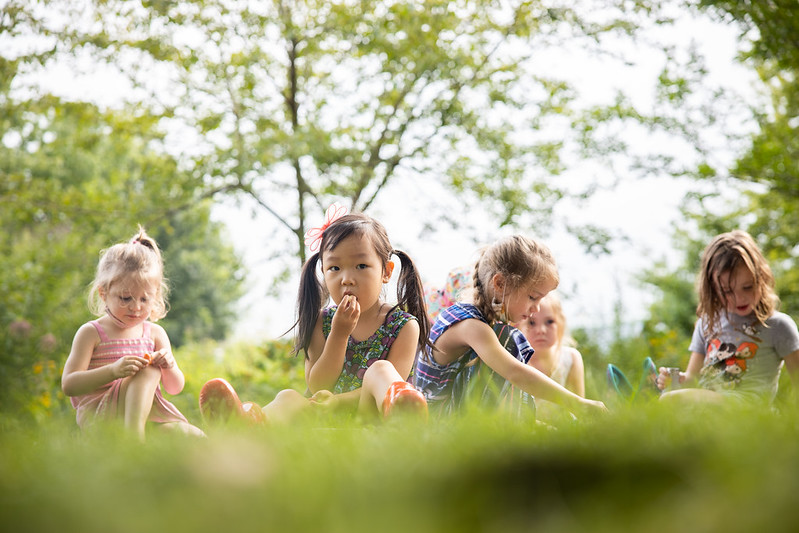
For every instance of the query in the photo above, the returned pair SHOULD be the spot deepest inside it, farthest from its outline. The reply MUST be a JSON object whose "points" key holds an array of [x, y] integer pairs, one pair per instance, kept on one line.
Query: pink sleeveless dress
{"points": [[102, 404]]}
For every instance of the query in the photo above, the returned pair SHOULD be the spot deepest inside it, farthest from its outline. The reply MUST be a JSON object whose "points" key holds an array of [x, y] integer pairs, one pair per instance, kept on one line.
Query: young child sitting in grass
{"points": [[359, 351]]}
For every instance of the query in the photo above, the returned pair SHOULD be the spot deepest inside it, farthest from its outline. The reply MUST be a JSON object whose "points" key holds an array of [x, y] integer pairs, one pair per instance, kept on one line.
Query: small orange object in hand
{"points": [[148, 357]]}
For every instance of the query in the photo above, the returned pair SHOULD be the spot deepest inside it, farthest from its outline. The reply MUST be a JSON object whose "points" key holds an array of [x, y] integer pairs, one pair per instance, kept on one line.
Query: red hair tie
{"points": [[313, 237]]}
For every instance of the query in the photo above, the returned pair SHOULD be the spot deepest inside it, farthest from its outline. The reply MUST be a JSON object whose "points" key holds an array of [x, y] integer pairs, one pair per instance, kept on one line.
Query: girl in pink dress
{"points": [[118, 362]]}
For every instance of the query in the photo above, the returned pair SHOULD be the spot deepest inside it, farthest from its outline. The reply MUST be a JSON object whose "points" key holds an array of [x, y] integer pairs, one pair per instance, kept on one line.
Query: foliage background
{"points": [[78, 176]]}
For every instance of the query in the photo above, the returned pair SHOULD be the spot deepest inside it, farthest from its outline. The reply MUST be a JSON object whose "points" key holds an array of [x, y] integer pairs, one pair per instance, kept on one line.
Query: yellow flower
{"points": [[38, 367]]}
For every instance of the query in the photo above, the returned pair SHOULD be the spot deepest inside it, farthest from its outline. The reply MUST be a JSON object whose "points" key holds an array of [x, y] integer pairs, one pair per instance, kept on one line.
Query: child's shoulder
{"points": [[572, 353], [779, 316], [154, 327], [88, 331], [154, 331], [781, 321], [463, 311], [397, 314]]}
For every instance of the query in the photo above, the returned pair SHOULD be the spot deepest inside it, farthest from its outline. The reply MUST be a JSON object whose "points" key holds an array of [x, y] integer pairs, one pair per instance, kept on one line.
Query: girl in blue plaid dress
{"points": [[474, 355]]}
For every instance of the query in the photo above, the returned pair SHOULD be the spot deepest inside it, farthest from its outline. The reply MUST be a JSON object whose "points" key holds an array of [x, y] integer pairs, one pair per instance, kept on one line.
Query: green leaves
{"points": [[317, 99]]}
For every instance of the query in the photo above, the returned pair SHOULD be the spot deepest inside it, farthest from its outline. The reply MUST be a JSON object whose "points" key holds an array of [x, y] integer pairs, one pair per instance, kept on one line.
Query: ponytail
{"points": [[148, 242], [480, 296], [410, 295], [309, 303]]}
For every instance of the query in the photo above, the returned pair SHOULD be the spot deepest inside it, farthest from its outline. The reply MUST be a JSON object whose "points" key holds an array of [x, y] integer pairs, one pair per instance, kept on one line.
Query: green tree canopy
{"points": [[293, 104], [768, 173], [74, 180], [759, 192]]}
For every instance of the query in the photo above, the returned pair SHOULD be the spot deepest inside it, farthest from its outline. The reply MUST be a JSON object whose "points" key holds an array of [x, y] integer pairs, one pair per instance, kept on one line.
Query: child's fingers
{"points": [[163, 359], [131, 364], [353, 309]]}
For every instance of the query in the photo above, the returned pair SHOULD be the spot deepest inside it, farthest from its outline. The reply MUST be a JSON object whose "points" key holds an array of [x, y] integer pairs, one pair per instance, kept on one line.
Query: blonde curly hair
{"points": [[137, 261]]}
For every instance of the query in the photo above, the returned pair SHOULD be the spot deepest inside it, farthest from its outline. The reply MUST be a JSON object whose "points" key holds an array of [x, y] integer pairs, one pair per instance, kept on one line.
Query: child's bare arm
{"points": [[576, 380], [694, 367], [326, 357], [171, 375], [688, 377], [792, 366], [77, 379], [403, 351], [484, 342]]}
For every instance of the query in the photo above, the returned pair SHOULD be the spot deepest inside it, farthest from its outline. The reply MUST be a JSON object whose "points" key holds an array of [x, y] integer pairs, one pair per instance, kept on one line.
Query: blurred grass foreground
{"points": [[636, 469]]}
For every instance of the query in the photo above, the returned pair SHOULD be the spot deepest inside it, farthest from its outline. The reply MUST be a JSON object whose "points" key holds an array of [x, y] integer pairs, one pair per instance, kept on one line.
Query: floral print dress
{"points": [[361, 355]]}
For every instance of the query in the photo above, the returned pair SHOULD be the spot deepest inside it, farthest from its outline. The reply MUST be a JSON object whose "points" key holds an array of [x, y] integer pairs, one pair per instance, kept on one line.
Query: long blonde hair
{"points": [[723, 255], [138, 260]]}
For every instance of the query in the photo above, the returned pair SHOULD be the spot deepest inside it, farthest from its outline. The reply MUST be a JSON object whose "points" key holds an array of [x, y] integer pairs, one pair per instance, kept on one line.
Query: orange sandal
{"points": [[219, 404], [252, 413], [219, 401], [405, 398]]}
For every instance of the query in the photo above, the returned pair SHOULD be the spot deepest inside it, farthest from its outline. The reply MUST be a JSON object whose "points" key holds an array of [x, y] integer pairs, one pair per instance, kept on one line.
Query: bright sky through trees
{"points": [[640, 212]]}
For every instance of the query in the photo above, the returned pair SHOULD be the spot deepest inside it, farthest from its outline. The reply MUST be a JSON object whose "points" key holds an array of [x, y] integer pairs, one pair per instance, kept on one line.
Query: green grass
{"points": [[642, 469]]}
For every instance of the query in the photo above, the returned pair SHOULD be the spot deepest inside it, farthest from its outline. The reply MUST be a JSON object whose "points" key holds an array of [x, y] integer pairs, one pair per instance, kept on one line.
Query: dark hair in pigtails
{"points": [[312, 292], [410, 295], [309, 304]]}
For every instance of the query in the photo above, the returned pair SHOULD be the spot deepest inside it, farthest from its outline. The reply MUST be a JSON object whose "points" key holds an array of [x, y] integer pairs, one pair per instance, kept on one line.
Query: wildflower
{"points": [[48, 342], [20, 328]]}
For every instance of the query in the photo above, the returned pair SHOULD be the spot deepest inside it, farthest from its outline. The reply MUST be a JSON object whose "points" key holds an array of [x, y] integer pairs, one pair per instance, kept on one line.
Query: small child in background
{"points": [[475, 354], [546, 331], [359, 351], [118, 362], [555, 354], [741, 340]]}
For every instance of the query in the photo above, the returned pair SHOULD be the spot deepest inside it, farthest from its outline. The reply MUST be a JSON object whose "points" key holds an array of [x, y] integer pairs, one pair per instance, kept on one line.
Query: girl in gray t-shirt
{"points": [[740, 341]]}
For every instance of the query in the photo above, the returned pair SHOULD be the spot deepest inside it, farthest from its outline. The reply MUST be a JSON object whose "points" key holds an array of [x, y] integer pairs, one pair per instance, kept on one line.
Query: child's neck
{"points": [[116, 329], [369, 321]]}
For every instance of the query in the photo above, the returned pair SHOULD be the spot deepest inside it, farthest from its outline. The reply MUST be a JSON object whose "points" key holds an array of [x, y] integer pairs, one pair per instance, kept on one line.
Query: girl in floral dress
{"points": [[358, 351]]}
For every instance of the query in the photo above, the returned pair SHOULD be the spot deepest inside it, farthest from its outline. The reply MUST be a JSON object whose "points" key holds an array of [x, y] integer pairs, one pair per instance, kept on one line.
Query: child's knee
{"points": [[287, 405], [381, 366], [290, 396], [148, 374]]}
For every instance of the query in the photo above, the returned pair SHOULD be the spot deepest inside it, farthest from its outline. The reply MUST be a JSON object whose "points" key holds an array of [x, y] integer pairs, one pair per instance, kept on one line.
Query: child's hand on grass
{"points": [[323, 399]]}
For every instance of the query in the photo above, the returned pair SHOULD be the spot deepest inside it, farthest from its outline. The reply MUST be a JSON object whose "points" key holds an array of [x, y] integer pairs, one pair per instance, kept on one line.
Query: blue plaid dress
{"points": [[467, 379]]}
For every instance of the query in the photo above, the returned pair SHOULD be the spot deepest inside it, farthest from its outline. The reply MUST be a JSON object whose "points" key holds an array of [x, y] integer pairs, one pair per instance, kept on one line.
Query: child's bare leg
{"points": [[684, 397], [286, 406], [136, 398], [184, 428], [386, 390], [376, 381]]}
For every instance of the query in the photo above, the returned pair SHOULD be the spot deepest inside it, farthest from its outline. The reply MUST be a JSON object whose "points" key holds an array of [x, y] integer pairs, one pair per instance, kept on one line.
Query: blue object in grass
{"points": [[619, 382]]}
